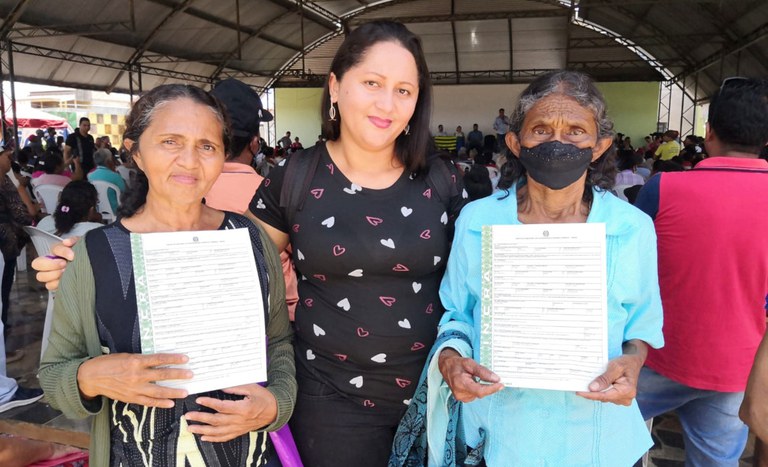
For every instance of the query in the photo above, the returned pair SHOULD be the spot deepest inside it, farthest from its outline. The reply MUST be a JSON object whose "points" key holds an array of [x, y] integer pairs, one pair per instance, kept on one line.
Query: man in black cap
{"points": [[238, 181]]}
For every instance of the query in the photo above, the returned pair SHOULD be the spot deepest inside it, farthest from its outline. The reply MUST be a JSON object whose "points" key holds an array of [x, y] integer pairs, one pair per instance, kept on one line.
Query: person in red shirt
{"points": [[713, 275]]}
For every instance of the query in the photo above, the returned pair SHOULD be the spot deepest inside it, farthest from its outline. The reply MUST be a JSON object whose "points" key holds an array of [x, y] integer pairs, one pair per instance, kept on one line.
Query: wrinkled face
{"points": [[181, 151], [558, 117], [377, 97]]}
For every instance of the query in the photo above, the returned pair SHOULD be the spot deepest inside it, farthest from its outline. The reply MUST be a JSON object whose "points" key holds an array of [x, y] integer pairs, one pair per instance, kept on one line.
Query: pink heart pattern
{"points": [[402, 382], [388, 267], [388, 301]]}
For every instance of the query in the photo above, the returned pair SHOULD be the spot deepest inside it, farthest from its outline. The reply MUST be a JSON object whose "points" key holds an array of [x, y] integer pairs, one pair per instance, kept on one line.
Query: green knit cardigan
{"points": [[74, 339]]}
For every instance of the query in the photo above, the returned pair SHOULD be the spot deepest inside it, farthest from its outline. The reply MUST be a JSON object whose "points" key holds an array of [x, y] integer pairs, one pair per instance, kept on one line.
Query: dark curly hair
{"points": [[139, 119], [601, 174], [76, 200]]}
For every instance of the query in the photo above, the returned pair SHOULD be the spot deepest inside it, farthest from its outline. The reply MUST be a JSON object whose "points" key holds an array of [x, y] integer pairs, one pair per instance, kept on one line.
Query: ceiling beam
{"points": [[12, 18], [640, 41], [753, 37], [74, 57], [178, 9], [90, 29], [624, 3], [312, 12], [473, 16], [205, 16]]}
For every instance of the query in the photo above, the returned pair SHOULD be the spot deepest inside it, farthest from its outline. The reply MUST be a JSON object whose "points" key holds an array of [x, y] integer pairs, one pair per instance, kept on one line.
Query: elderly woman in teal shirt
{"points": [[561, 173]]}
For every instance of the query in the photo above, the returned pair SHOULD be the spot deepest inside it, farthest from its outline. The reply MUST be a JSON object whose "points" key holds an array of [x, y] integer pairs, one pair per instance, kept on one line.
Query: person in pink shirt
{"points": [[713, 276], [238, 181], [53, 171]]}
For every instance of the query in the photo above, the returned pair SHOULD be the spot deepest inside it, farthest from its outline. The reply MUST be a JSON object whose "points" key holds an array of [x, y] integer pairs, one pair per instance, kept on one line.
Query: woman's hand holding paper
{"points": [[460, 373], [618, 384], [256, 410], [131, 378]]}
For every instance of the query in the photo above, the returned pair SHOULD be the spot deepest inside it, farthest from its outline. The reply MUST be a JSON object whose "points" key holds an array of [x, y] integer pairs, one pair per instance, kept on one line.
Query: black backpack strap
{"points": [[300, 168], [442, 180]]}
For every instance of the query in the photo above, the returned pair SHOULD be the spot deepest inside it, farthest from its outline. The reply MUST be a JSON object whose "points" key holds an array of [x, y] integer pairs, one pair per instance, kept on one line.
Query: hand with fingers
{"points": [[50, 268], [618, 384], [256, 410], [461, 373], [131, 378]]}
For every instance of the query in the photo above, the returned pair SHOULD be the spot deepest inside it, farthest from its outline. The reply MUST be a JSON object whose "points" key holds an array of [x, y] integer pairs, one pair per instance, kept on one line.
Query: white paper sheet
{"points": [[544, 307], [198, 293]]}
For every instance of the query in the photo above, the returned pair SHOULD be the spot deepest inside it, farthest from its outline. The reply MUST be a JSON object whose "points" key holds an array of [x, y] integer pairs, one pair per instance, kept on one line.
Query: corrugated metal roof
{"points": [[202, 41]]}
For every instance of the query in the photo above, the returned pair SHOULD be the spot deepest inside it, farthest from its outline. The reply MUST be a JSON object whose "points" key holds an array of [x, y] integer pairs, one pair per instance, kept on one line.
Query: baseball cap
{"points": [[243, 106]]}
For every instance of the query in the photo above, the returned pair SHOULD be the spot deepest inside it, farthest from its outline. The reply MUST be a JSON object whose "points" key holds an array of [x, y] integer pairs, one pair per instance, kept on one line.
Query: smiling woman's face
{"points": [[377, 97], [181, 151]]}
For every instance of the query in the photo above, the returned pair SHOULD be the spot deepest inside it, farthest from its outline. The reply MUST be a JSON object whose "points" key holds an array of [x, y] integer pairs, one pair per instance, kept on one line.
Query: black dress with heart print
{"points": [[369, 264]]}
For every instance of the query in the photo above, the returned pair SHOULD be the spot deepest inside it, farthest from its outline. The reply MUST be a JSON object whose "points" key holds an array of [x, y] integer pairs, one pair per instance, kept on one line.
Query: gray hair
{"points": [[101, 156], [601, 174], [569, 83]]}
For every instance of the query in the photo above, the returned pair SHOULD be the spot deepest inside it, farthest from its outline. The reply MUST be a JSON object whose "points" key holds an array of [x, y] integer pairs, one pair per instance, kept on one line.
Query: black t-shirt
{"points": [[370, 264], [82, 146]]}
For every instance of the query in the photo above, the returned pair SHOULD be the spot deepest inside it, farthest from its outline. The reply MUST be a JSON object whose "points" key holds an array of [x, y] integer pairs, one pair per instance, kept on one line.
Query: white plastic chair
{"points": [[48, 196], [127, 174], [104, 207], [43, 242]]}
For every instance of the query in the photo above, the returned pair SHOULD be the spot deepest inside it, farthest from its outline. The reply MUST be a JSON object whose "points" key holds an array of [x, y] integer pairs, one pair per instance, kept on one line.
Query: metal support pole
{"points": [[511, 54], [2, 97], [12, 80], [695, 99]]}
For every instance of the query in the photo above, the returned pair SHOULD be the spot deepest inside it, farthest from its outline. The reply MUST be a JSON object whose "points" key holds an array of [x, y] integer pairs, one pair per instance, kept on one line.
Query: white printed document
{"points": [[544, 308], [198, 294]]}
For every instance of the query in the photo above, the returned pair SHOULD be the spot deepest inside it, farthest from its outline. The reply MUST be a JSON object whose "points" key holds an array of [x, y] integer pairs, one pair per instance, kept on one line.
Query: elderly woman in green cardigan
{"points": [[178, 135]]}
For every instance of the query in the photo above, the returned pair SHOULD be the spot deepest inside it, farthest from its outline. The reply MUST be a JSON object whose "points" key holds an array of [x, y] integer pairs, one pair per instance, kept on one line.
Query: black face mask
{"points": [[554, 164]]}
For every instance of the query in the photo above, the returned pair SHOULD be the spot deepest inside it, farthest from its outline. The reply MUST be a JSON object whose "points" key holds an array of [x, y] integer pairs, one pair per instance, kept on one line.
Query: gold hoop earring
{"points": [[332, 113], [407, 130]]}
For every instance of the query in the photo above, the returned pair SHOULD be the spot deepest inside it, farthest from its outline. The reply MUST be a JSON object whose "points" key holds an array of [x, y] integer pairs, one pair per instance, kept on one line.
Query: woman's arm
{"points": [[67, 348], [279, 239], [754, 409], [458, 370], [32, 208], [74, 376]]}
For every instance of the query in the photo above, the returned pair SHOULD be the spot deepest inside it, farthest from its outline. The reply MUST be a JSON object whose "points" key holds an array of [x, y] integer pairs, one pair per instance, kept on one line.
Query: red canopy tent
{"points": [[36, 118]]}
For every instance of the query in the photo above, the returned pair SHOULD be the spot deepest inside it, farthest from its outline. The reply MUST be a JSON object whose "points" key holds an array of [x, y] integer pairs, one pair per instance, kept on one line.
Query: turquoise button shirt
{"points": [[529, 427]]}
